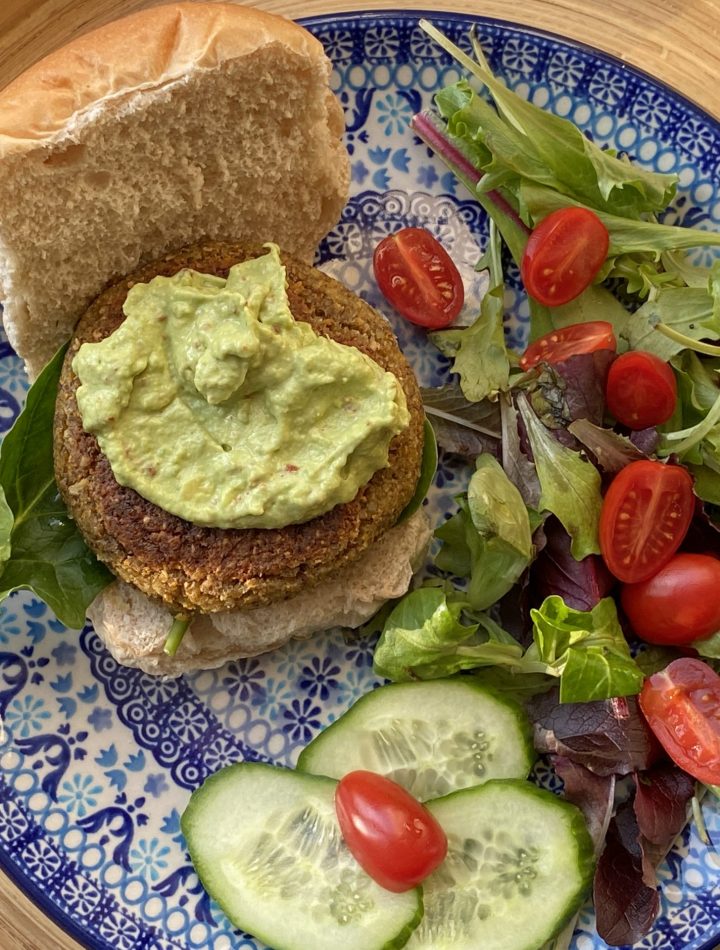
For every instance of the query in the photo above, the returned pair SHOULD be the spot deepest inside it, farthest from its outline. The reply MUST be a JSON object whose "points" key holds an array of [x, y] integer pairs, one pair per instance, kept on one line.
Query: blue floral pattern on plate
{"points": [[97, 762]]}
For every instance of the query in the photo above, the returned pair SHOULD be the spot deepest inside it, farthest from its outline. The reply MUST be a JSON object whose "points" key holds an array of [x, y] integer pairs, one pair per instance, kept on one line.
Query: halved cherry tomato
{"points": [[679, 604], [394, 838], [645, 516], [559, 345], [563, 255], [682, 706], [417, 276], [641, 390]]}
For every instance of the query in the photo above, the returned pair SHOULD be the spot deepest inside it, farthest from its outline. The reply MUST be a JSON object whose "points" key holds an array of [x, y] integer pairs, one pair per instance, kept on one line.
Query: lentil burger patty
{"points": [[195, 568]]}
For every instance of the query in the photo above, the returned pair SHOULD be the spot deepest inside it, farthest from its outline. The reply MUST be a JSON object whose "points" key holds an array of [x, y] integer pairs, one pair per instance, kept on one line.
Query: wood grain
{"points": [[677, 41]]}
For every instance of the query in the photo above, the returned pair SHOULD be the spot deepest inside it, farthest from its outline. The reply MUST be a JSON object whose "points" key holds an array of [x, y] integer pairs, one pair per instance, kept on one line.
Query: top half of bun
{"points": [[177, 123]]}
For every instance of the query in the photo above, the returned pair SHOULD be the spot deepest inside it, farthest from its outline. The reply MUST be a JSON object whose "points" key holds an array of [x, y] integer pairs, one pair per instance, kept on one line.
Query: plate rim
{"points": [[457, 16], [14, 872]]}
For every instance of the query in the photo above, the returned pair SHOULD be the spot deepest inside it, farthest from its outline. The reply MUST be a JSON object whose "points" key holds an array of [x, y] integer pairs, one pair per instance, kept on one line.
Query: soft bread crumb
{"points": [[226, 127], [134, 628]]}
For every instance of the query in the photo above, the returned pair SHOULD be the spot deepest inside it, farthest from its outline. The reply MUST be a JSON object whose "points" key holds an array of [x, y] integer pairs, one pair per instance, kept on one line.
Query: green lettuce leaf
{"points": [[709, 647], [588, 650], [424, 638], [570, 486], [489, 540], [47, 552], [524, 141], [478, 352], [686, 310], [627, 236]]}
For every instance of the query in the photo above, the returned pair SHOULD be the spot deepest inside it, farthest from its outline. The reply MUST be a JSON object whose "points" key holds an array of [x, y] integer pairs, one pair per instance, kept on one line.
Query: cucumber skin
{"points": [[305, 760], [186, 821], [586, 859]]}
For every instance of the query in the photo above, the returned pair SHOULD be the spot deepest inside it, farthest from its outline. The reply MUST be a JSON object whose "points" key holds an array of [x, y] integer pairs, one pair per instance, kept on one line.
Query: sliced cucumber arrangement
{"points": [[519, 864], [432, 738], [266, 845]]}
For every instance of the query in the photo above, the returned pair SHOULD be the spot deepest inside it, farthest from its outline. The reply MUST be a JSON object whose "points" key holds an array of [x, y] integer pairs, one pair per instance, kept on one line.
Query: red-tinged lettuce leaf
{"points": [[703, 536], [464, 428], [593, 794], [608, 449], [608, 736], [625, 906], [585, 378], [662, 803], [570, 390], [581, 584], [517, 456], [638, 839], [646, 440]]}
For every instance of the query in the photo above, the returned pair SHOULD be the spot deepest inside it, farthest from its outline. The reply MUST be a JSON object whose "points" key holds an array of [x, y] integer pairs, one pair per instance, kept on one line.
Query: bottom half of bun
{"points": [[134, 627]]}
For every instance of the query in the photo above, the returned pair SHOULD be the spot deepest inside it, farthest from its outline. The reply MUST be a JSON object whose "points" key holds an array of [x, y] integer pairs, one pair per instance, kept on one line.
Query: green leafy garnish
{"points": [[479, 354], [176, 634], [428, 467], [524, 142], [47, 553], [424, 638], [489, 540], [570, 485], [587, 649]]}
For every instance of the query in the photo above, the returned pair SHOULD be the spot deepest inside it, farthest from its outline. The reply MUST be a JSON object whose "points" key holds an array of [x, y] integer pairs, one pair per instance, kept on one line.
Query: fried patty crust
{"points": [[193, 568]]}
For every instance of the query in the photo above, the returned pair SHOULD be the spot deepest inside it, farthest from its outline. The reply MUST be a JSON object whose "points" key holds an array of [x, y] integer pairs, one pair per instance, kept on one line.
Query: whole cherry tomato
{"points": [[679, 604], [641, 390], [563, 255], [393, 837], [682, 706], [645, 516], [578, 338], [416, 275]]}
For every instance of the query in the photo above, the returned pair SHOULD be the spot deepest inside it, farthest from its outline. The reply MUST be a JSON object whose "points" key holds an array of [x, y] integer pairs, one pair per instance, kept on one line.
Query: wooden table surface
{"points": [[676, 40]]}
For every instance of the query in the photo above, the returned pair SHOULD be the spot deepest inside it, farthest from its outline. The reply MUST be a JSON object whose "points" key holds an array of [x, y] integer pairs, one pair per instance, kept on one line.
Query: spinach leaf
{"points": [[478, 352], [570, 486], [587, 649], [428, 467], [47, 552]]}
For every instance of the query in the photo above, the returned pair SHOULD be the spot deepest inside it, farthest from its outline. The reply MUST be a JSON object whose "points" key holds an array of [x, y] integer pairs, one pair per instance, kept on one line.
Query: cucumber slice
{"points": [[432, 738], [520, 862], [266, 845]]}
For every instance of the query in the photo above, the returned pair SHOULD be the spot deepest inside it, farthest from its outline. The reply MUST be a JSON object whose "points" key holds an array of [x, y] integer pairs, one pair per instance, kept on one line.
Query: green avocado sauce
{"points": [[214, 403]]}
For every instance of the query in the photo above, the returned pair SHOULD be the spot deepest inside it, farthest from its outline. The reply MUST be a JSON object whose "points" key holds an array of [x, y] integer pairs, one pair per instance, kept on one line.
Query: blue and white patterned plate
{"points": [[97, 761]]}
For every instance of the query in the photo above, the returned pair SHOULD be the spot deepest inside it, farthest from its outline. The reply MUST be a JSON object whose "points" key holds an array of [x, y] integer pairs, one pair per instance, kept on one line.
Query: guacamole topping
{"points": [[214, 403]]}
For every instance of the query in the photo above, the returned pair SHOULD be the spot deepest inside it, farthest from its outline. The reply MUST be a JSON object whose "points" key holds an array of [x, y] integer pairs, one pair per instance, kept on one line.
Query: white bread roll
{"points": [[134, 628], [176, 123]]}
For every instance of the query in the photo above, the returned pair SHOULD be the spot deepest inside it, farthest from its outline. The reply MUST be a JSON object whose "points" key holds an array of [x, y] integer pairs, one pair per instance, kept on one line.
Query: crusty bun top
{"points": [[140, 52], [173, 125]]}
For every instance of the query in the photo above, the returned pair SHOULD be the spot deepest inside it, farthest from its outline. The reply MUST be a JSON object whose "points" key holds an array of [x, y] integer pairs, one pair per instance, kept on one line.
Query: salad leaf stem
{"points": [[698, 345], [692, 436], [176, 634]]}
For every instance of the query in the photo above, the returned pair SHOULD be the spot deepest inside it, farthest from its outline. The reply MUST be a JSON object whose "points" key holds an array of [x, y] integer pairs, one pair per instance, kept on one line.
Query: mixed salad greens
{"points": [[591, 515], [572, 518]]}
